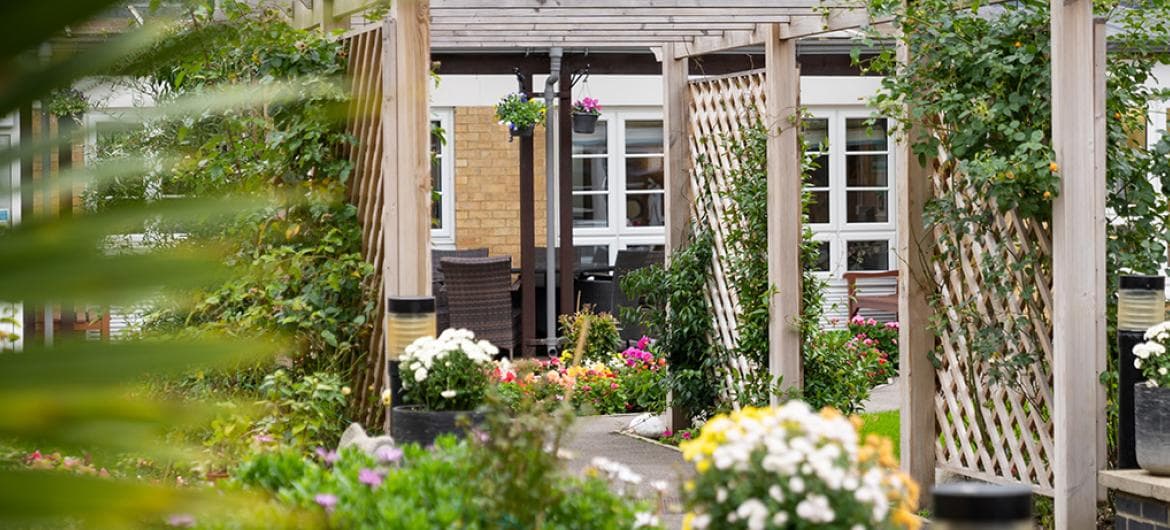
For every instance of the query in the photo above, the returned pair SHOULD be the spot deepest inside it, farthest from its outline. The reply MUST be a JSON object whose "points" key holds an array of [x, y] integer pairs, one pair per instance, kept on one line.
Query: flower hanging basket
{"points": [[523, 132], [585, 123]]}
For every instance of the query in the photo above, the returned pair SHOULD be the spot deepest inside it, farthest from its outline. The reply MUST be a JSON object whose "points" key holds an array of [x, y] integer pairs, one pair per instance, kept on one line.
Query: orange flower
{"points": [[1047, 195], [1053, 167], [1019, 44]]}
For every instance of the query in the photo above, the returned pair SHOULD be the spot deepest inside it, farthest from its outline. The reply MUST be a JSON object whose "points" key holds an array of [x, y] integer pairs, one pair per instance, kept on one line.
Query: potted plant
{"points": [[585, 114], [443, 378], [1151, 401], [792, 467], [520, 114]]}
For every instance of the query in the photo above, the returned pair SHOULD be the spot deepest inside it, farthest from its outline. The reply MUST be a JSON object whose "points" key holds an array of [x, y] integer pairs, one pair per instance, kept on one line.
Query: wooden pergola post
{"points": [[1078, 285], [784, 194], [915, 340], [406, 160], [675, 131]]}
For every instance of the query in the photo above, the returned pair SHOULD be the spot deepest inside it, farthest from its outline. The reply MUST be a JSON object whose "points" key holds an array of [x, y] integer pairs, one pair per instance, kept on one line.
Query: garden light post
{"points": [[1141, 304], [408, 318], [977, 506]]}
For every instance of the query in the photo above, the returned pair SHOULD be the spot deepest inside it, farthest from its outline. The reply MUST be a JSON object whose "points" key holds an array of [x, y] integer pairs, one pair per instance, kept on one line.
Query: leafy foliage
{"points": [[518, 112], [835, 375], [602, 340]]}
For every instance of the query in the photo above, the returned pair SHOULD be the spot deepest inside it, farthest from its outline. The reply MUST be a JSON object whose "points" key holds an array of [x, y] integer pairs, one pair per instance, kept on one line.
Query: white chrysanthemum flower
{"points": [[754, 512], [420, 375], [645, 519], [701, 521], [448, 394]]}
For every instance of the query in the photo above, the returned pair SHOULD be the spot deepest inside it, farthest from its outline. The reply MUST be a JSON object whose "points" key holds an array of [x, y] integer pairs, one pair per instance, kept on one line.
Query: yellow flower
{"points": [[703, 465], [688, 521], [689, 485], [1019, 44], [1047, 195], [1053, 167], [905, 519]]}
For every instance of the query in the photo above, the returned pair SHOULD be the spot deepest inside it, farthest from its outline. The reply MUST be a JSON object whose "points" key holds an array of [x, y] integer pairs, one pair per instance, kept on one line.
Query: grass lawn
{"points": [[886, 424]]}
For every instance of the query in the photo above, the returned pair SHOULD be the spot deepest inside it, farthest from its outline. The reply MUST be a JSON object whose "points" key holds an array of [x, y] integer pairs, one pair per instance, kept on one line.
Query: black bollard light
{"points": [[1141, 304], [407, 320], [976, 506]]}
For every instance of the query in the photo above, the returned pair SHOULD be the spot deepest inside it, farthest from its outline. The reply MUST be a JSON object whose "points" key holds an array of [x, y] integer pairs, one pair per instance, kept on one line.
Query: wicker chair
{"points": [[480, 298], [442, 316]]}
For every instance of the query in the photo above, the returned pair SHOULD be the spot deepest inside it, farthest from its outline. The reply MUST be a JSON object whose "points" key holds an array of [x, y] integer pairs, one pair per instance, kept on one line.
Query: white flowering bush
{"points": [[790, 467], [450, 372], [1150, 356]]}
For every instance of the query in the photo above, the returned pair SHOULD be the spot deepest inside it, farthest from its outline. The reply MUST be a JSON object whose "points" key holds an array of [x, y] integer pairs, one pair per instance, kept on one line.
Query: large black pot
{"points": [[585, 123], [414, 424], [1152, 428]]}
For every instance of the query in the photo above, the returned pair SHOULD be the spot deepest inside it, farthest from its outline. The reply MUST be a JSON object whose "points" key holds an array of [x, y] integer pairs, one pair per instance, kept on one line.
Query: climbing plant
{"points": [[988, 70]]}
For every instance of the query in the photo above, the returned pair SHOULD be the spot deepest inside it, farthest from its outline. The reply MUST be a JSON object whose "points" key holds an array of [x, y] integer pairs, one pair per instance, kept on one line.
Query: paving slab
{"points": [[599, 436]]}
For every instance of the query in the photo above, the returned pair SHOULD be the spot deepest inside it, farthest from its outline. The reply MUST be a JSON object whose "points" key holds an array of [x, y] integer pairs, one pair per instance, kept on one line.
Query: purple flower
{"points": [[328, 501], [263, 438], [388, 454], [643, 342], [181, 520], [327, 456], [370, 478]]}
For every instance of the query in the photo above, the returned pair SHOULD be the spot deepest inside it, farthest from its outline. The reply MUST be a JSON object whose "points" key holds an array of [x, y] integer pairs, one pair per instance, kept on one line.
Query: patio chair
{"points": [[627, 262], [882, 302], [479, 298], [442, 316]]}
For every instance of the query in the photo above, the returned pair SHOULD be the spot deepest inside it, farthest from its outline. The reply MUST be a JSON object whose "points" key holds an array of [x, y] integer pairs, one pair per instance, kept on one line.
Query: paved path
{"points": [[594, 436], [885, 397]]}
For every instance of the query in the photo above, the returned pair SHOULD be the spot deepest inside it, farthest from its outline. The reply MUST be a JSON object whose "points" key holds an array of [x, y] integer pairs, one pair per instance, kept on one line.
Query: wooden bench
{"points": [[884, 302]]}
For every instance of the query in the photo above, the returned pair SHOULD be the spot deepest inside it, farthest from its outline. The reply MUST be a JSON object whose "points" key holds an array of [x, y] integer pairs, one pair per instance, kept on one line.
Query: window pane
{"points": [[867, 170], [590, 211], [819, 178], [644, 173], [437, 194], [592, 255], [436, 138], [816, 134], [644, 137], [818, 209], [867, 207], [824, 252], [868, 255], [860, 136], [590, 174], [591, 144], [645, 209]]}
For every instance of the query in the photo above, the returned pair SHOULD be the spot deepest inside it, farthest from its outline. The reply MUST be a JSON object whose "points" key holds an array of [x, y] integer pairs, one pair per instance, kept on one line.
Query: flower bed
{"points": [[630, 381]]}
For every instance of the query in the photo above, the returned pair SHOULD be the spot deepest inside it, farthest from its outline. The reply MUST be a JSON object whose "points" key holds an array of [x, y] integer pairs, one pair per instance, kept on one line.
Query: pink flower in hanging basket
{"points": [[587, 105]]}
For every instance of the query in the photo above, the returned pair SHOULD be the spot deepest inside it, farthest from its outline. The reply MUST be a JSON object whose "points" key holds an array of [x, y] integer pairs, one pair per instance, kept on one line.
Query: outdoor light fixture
{"points": [[407, 320], [1141, 304], [976, 506]]}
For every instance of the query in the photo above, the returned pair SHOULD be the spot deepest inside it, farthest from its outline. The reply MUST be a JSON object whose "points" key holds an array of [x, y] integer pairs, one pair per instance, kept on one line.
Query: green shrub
{"points": [[303, 413], [835, 375], [603, 339]]}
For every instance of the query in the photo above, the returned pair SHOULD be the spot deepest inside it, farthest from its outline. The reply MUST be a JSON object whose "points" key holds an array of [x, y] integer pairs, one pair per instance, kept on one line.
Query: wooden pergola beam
{"points": [[607, 6], [729, 40]]}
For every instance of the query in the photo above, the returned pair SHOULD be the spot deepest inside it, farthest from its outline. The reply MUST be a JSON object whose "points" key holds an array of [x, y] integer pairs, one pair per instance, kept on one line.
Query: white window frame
{"points": [[616, 235], [444, 238], [839, 232]]}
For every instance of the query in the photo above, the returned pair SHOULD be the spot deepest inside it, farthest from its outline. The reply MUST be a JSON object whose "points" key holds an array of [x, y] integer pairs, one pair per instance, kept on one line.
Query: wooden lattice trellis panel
{"points": [[720, 109], [364, 72], [991, 431]]}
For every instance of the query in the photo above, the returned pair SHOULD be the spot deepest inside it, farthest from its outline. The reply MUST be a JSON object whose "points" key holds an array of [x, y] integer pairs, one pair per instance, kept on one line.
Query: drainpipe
{"points": [[550, 179]]}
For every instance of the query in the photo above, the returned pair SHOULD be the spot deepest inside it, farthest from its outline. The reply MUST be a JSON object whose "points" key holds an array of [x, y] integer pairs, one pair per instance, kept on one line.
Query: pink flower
{"points": [[370, 477], [327, 456], [858, 320], [686, 435], [388, 454], [892, 325], [667, 433], [613, 386], [263, 438], [328, 501], [181, 520], [871, 322], [643, 342]]}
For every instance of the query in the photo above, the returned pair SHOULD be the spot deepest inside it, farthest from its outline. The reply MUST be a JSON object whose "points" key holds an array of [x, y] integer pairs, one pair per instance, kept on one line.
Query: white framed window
{"points": [[443, 179], [852, 215], [618, 177]]}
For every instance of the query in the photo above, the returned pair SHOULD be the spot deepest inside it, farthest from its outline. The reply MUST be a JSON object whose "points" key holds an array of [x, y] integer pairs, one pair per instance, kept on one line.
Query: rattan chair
{"points": [[479, 298], [442, 316]]}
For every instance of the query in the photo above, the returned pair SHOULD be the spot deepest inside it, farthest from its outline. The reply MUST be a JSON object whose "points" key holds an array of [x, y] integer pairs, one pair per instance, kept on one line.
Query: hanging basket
{"points": [[524, 132], [584, 123]]}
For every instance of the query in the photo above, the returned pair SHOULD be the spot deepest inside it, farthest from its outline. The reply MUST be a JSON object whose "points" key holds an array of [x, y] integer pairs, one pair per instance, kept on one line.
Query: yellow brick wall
{"points": [[487, 184]]}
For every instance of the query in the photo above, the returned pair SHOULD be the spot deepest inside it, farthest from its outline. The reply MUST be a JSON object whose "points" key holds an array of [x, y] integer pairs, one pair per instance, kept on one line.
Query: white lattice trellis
{"points": [[993, 431], [720, 109]]}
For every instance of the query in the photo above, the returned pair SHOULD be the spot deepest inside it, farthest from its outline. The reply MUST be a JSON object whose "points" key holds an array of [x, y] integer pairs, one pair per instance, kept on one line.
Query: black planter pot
{"points": [[585, 123], [413, 424], [525, 132], [1152, 428]]}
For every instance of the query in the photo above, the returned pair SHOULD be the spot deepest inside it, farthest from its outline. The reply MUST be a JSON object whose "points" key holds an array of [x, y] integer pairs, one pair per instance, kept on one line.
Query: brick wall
{"points": [[487, 184], [1139, 513], [78, 156]]}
